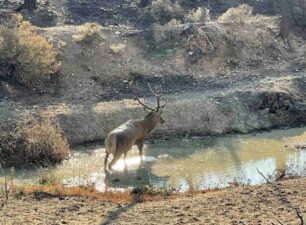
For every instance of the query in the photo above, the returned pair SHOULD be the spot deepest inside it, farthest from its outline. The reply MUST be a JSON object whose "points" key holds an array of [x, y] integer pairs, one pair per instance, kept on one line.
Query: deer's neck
{"points": [[149, 125]]}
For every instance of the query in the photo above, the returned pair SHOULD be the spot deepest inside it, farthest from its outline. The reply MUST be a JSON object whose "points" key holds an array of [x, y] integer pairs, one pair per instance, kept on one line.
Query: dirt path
{"points": [[243, 205]]}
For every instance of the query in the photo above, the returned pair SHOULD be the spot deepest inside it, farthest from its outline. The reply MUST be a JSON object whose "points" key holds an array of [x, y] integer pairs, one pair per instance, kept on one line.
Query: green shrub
{"points": [[26, 57], [33, 143]]}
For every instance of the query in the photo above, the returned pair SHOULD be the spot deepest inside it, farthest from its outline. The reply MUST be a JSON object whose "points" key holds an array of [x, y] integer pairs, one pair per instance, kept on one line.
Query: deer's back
{"points": [[126, 135]]}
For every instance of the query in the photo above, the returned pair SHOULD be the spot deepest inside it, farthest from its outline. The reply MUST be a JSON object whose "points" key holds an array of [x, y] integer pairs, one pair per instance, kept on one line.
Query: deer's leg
{"points": [[105, 160], [114, 160], [125, 164], [140, 147]]}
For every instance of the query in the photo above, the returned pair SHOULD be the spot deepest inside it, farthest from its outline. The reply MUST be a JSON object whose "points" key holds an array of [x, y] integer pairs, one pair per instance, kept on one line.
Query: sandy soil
{"points": [[264, 204]]}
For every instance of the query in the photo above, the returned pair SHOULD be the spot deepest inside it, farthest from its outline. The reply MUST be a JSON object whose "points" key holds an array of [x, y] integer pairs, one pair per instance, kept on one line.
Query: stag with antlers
{"points": [[120, 140]]}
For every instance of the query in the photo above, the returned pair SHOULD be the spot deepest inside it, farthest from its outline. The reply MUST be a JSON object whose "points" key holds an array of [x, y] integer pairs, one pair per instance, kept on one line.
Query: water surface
{"points": [[198, 163]]}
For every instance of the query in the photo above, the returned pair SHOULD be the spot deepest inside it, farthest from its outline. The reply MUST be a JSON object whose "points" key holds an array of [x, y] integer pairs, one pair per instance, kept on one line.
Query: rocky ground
{"points": [[275, 203]]}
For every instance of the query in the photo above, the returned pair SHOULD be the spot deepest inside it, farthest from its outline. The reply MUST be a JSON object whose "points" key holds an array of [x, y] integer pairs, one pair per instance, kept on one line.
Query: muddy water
{"points": [[198, 163]]}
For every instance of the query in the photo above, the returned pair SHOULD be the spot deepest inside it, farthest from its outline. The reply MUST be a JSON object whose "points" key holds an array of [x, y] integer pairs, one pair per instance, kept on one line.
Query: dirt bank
{"points": [[242, 205], [245, 78], [245, 107]]}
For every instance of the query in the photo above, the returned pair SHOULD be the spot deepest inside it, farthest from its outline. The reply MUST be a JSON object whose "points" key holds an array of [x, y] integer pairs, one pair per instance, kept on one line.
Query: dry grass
{"points": [[117, 48], [200, 15], [241, 205], [169, 32], [236, 15], [164, 10], [88, 192], [88, 33], [34, 143], [26, 56], [146, 194]]}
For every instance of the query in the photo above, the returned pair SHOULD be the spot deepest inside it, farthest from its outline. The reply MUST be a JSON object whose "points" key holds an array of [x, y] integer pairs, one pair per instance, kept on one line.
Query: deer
{"points": [[133, 132]]}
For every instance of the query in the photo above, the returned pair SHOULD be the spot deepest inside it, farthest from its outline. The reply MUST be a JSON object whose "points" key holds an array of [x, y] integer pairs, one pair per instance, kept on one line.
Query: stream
{"points": [[189, 163]]}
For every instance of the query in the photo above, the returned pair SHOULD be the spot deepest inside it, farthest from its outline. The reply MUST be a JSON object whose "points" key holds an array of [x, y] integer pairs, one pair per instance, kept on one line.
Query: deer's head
{"points": [[155, 114], [156, 117]]}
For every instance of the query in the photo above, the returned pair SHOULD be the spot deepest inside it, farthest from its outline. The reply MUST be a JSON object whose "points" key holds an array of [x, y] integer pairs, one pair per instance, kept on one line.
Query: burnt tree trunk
{"points": [[145, 3], [285, 20], [30, 4]]}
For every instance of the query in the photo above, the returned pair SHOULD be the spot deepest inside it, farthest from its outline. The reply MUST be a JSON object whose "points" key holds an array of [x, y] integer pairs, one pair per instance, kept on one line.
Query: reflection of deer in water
{"points": [[120, 140]]}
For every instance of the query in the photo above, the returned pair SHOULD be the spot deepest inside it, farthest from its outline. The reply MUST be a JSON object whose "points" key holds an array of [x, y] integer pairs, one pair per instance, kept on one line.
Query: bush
{"points": [[118, 48], [236, 15], [87, 33], [33, 143], [163, 11], [200, 15], [26, 57], [169, 32]]}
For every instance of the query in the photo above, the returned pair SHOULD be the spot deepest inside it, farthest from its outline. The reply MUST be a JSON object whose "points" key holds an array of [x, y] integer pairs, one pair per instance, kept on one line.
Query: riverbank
{"points": [[264, 204], [246, 106]]}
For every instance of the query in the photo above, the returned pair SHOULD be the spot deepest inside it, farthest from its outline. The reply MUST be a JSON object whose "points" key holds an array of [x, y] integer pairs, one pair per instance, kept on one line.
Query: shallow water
{"points": [[198, 163]]}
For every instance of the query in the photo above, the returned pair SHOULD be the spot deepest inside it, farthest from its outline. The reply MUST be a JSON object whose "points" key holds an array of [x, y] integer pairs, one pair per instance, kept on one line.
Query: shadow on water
{"points": [[139, 177]]}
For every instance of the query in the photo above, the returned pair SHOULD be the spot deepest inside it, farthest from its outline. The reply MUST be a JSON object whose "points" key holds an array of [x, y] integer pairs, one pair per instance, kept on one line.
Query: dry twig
{"points": [[299, 216], [263, 175]]}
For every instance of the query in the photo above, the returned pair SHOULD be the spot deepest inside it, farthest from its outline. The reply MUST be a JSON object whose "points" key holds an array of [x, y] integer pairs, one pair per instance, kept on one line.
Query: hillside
{"points": [[237, 56]]}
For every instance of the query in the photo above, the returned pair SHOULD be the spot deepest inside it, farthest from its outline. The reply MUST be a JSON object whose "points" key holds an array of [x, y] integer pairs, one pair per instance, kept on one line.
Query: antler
{"points": [[158, 97], [141, 103]]}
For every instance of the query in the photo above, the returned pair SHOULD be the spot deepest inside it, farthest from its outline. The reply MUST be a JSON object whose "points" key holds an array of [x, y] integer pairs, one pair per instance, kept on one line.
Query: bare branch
{"points": [[299, 215], [263, 175]]}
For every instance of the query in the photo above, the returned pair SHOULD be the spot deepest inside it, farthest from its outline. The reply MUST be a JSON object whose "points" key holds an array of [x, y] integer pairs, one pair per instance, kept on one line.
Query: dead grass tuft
{"points": [[200, 15], [145, 194], [88, 33], [169, 32], [118, 48], [88, 192], [164, 10], [236, 15], [25, 56], [34, 143]]}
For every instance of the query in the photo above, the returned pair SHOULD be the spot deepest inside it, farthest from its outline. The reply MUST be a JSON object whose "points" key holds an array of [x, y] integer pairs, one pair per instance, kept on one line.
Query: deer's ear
{"points": [[160, 112]]}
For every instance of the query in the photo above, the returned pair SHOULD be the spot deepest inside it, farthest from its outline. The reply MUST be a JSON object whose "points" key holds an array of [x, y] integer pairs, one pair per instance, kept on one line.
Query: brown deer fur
{"points": [[120, 140]]}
